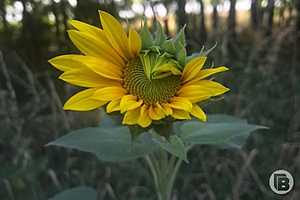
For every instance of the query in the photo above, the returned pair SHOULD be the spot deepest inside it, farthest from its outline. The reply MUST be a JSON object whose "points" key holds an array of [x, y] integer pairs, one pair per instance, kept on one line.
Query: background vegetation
{"points": [[258, 39]]}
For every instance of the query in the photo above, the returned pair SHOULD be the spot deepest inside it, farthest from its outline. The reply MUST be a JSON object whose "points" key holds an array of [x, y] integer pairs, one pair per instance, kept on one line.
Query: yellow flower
{"points": [[142, 85]]}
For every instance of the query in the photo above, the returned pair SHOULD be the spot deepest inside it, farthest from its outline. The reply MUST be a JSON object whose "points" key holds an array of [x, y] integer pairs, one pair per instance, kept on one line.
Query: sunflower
{"points": [[144, 79]]}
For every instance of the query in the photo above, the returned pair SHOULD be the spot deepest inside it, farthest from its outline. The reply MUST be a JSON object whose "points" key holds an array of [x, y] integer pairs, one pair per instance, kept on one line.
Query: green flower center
{"points": [[148, 87]]}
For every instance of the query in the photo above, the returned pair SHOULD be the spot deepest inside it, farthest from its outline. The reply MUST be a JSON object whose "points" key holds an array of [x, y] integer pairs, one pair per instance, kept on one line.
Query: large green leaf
{"points": [[173, 145], [109, 143], [78, 193], [109, 120], [222, 130], [221, 118]]}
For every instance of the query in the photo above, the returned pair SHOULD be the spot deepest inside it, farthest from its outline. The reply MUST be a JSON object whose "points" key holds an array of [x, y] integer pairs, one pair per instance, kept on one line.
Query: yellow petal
{"points": [[202, 90], [83, 101], [180, 114], [181, 103], [66, 62], [109, 93], [131, 117], [166, 108], [101, 66], [165, 70], [88, 63], [129, 102], [113, 106], [206, 73], [144, 119], [115, 34], [213, 87], [134, 42], [87, 78], [192, 68], [196, 93], [93, 46], [198, 112], [87, 28], [156, 112]]}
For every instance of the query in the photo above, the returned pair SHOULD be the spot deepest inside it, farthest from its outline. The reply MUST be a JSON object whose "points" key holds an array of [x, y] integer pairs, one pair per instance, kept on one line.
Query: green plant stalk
{"points": [[164, 171]]}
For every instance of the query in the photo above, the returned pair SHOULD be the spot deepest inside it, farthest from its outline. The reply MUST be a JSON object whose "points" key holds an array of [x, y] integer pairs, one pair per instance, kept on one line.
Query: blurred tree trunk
{"points": [[231, 41], [270, 14], [215, 17], [78, 8], [254, 14], [193, 26], [282, 11], [290, 13], [29, 42], [64, 6], [3, 15], [28, 27], [232, 20], [25, 18], [54, 9], [181, 15], [298, 15], [203, 31]]}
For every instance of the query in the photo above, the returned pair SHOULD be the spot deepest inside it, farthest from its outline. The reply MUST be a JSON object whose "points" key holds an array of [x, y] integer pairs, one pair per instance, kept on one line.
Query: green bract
{"points": [[173, 48], [157, 65], [159, 42]]}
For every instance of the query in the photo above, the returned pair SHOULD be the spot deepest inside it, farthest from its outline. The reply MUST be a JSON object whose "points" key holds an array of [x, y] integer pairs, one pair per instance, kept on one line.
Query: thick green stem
{"points": [[154, 173], [164, 171]]}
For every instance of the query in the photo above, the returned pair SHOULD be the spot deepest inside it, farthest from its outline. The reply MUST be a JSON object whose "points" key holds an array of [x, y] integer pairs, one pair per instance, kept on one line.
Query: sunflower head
{"points": [[146, 77]]}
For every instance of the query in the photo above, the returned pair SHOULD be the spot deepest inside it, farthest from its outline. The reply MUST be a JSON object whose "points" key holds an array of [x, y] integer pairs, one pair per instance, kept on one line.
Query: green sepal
{"points": [[179, 40], [174, 47], [160, 36], [155, 49], [181, 57], [169, 47], [158, 66], [146, 36], [202, 52], [208, 51]]}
